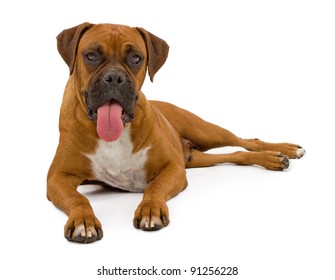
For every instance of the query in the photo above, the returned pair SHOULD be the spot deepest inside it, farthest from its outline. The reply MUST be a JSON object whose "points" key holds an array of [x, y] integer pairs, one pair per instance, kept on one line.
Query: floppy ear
{"points": [[68, 40], [157, 50]]}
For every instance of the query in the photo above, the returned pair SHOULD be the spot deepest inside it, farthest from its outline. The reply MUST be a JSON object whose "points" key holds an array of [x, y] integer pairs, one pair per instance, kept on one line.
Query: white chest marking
{"points": [[115, 164]]}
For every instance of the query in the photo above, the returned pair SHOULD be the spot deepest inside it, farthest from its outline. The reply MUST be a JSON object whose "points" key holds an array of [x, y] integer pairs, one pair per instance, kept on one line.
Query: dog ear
{"points": [[67, 43], [157, 51]]}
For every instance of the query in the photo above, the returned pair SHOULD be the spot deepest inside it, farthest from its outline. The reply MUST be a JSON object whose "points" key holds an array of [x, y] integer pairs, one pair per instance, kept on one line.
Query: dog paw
{"points": [[151, 216], [292, 151], [83, 230], [276, 161]]}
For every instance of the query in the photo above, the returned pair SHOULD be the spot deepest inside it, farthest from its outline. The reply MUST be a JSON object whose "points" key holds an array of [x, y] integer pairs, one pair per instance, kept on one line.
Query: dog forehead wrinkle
{"points": [[95, 47], [115, 33]]}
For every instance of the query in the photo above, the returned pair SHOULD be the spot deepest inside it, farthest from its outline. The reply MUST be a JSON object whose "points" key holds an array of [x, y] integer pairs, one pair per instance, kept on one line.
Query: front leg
{"points": [[82, 225], [153, 213]]}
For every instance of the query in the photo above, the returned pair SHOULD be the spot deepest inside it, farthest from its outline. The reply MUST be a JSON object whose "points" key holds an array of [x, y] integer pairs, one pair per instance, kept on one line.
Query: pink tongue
{"points": [[109, 125]]}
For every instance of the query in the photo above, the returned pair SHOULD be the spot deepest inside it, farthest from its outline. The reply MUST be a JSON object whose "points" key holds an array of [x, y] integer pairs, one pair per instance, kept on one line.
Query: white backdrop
{"points": [[258, 68]]}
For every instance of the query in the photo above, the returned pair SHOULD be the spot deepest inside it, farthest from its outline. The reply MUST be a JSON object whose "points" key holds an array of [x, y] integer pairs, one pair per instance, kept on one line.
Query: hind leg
{"points": [[208, 136], [268, 159], [290, 150], [205, 135]]}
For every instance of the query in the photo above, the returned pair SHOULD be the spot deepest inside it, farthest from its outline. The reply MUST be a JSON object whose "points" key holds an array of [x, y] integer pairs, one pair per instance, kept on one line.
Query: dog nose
{"points": [[114, 78]]}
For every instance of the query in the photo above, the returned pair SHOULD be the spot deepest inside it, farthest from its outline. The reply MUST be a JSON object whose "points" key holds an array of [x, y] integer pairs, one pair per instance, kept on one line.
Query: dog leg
{"points": [[152, 213], [82, 225], [290, 150], [205, 135], [268, 159]]}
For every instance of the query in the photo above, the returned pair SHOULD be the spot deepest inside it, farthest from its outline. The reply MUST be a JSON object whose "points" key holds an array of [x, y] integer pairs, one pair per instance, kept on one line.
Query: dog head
{"points": [[109, 63]]}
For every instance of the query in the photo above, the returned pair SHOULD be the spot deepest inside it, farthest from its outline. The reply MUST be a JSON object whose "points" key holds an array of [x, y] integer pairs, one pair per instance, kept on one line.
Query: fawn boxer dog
{"points": [[111, 134]]}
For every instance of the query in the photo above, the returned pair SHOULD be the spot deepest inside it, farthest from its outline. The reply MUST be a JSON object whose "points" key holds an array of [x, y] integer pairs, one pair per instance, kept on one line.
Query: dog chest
{"points": [[115, 164]]}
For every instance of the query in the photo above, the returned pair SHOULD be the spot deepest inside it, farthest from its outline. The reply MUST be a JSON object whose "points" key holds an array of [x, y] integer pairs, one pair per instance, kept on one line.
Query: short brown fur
{"points": [[176, 137]]}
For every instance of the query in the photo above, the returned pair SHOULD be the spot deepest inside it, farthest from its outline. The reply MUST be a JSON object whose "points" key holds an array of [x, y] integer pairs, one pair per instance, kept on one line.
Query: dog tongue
{"points": [[109, 123]]}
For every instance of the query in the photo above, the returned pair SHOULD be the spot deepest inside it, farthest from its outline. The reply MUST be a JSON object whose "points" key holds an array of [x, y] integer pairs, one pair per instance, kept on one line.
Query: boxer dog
{"points": [[111, 134]]}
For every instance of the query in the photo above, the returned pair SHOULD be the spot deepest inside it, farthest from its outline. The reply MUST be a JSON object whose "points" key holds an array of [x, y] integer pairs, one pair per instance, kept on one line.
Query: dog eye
{"points": [[136, 59], [91, 57]]}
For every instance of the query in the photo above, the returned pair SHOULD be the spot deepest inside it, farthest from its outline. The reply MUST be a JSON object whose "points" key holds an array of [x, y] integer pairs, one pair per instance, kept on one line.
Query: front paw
{"points": [[151, 216], [83, 229]]}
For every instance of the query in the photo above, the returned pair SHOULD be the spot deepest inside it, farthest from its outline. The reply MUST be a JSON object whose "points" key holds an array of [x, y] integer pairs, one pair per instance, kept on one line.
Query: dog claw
{"points": [[165, 221], [151, 224], [136, 223], [82, 234], [68, 234], [285, 162], [150, 219]]}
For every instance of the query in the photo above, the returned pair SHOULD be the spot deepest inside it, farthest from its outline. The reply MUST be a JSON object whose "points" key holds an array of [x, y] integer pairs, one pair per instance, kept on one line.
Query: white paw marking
{"points": [[300, 152]]}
